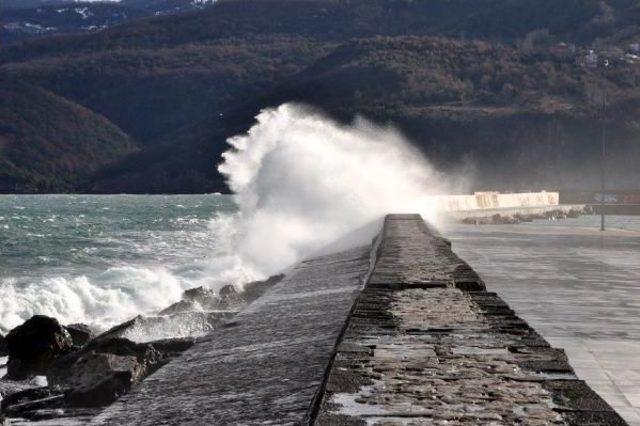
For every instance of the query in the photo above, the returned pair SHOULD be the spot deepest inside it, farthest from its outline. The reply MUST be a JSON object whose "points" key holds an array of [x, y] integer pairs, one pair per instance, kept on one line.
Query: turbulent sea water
{"points": [[301, 182], [103, 259]]}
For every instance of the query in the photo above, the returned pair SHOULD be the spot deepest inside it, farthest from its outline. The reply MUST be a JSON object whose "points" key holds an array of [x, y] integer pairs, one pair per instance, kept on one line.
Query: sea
{"points": [[101, 259]]}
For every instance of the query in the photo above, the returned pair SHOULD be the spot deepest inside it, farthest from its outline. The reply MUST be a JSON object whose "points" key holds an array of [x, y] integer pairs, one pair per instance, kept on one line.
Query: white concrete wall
{"points": [[496, 200]]}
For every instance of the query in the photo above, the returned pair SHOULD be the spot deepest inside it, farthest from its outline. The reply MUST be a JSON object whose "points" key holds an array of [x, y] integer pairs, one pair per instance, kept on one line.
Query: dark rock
{"points": [[81, 334], [228, 298], [173, 347], [25, 396], [194, 299], [106, 389], [103, 370], [197, 294], [11, 387], [3, 346], [206, 299], [35, 345], [255, 289], [68, 370], [179, 307], [33, 408], [120, 329]]}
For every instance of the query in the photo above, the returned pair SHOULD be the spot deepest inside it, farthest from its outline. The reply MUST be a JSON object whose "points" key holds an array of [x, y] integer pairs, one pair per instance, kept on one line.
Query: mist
{"points": [[302, 181]]}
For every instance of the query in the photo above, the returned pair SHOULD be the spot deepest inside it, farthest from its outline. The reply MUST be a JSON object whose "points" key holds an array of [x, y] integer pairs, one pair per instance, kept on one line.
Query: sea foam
{"points": [[100, 301]]}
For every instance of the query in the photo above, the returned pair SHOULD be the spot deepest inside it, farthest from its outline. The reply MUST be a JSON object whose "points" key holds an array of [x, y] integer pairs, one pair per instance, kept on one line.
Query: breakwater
{"points": [[404, 332], [265, 365], [427, 344]]}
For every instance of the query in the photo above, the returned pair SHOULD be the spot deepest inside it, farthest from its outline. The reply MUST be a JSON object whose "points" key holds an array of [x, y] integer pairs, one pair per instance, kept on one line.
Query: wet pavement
{"points": [[578, 287]]}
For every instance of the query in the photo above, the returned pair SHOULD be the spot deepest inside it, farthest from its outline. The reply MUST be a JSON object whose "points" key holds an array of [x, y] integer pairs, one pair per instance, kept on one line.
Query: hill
{"points": [[48, 144], [489, 109], [498, 84]]}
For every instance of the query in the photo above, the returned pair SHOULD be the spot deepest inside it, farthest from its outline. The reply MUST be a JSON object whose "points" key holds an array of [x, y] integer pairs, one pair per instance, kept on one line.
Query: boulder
{"points": [[78, 367], [231, 298], [179, 307], [31, 405], [255, 289], [120, 329], [81, 334], [24, 396], [33, 346], [3, 346], [173, 347], [199, 294], [103, 370], [98, 379], [181, 324], [206, 299], [228, 298]]}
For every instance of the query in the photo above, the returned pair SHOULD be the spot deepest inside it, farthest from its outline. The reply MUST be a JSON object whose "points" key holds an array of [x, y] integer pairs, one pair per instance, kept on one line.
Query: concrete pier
{"points": [[402, 332], [426, 344], [266, 365]]}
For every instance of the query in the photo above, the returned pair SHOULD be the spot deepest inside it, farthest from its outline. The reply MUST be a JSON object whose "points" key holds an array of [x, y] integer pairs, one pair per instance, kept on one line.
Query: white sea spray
{"points": [[301, 181]]}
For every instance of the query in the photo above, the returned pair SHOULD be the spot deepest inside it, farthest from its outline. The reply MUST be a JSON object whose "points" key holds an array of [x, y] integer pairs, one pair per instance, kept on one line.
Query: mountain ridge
{"points": [[38, 130], [180, 85]]}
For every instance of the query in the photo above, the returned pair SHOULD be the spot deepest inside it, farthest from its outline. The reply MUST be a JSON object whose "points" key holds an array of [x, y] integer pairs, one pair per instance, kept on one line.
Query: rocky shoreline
{"points": [[66, 371]]}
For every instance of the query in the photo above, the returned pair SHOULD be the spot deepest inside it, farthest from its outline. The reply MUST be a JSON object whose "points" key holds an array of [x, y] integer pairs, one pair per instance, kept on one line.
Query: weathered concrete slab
{"points": [[420, 348], [266, 365]]}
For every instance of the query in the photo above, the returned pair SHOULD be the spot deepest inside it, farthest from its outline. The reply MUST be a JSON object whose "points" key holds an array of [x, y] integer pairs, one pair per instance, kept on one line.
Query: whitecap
{"points": [[101, 301], [302, 181]]}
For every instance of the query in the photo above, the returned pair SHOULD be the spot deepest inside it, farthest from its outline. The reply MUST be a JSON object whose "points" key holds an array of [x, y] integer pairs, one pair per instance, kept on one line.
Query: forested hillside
{"points": [[498, 86], [48, 143]]}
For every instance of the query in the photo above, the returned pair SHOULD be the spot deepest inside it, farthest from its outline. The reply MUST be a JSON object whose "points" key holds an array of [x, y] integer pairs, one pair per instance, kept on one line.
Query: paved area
{"points": [[268, 363], [425, 344], [577, 286]]}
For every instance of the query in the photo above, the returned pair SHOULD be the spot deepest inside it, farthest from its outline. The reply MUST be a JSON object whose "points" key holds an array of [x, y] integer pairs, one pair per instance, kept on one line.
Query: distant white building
{"points": [[591, 60]]}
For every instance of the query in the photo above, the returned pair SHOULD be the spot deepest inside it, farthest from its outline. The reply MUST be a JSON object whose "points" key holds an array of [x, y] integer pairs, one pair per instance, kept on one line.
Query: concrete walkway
{"points": [[577, 286], [263, 368], [427, 345]]}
